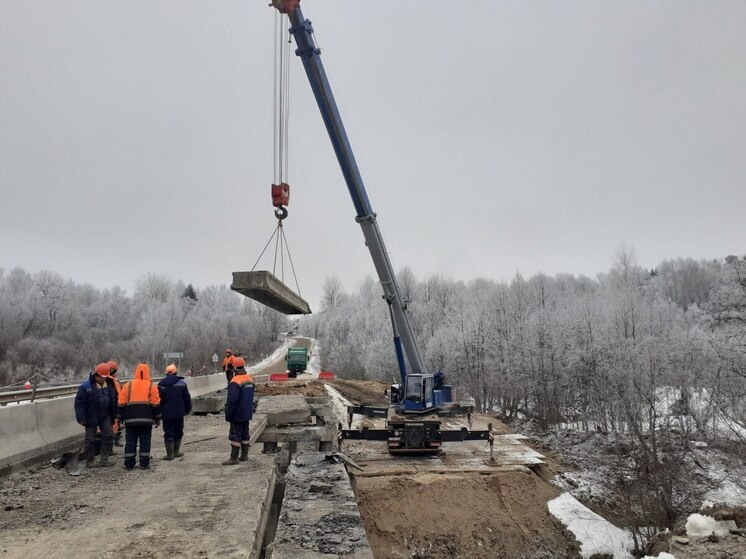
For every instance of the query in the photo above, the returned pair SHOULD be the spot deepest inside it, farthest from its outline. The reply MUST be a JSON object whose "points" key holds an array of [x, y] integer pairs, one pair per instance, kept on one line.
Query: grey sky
{"points": [[493, 137]]}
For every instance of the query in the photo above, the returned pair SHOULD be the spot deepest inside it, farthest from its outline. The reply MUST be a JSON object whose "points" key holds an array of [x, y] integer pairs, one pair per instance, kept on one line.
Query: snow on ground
{"points": [[276, 354], [728, 492], [595, 534], [702, 526], [314, 362], [661, 555], [339, 406]]}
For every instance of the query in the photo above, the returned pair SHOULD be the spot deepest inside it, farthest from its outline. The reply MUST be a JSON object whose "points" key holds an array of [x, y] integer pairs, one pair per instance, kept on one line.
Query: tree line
{"points": [[52, 328], [604, 353], [651, 359]]}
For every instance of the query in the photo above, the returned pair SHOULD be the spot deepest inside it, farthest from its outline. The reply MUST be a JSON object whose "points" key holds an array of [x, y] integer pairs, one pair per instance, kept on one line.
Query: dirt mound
{"points": [[438, 516], [311, 388], [363, 392]]}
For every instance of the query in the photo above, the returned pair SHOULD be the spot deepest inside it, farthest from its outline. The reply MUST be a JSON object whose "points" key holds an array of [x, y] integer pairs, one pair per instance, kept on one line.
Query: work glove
{"points": [[156, 423]]}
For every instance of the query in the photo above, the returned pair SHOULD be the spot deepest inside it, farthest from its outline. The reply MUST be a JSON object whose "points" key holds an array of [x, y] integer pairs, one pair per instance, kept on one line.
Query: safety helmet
{"points": [[102, 369], [113, 366], [229, 350], [171, 369], [239, 363]]}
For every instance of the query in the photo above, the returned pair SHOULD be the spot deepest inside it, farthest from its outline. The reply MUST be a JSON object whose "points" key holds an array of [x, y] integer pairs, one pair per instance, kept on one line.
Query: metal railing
{"points": [[45, 392]]}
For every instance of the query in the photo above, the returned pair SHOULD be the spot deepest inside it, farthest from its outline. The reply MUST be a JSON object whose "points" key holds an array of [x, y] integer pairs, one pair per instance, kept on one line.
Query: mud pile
{"points": [[313, 389], [439, 516]]}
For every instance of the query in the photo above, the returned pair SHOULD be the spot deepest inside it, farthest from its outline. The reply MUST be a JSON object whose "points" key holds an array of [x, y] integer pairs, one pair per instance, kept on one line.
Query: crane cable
{"points": [[281, 242], [281, 101], [281, 144]]}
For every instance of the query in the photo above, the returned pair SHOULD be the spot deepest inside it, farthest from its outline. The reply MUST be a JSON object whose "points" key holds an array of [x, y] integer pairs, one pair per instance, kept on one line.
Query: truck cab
{"points": [[297, 361]]}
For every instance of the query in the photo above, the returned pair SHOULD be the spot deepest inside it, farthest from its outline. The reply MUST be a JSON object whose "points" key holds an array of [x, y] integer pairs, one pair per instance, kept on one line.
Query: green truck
{"points": [[297, 360]]}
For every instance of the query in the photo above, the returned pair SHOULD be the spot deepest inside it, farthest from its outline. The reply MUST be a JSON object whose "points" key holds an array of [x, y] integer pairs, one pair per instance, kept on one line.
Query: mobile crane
{"points": [[419, 392]]}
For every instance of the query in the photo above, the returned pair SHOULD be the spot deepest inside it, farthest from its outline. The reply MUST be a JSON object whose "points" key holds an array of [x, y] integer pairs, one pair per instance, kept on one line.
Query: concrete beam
{"points": [[210, 403], [265, 288], [297, 434], [285, 409], [256, 427]]}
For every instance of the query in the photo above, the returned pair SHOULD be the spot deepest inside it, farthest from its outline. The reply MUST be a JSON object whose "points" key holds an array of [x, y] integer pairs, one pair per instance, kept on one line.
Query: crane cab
{"points": [[421, 393]]}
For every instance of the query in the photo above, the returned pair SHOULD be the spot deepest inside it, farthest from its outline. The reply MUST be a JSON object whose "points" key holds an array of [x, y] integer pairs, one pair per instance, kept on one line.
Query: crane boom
{"points": [[302, 31]]}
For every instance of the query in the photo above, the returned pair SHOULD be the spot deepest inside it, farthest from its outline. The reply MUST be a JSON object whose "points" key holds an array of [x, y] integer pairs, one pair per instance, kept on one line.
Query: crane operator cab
{"points": [[422, 393]]}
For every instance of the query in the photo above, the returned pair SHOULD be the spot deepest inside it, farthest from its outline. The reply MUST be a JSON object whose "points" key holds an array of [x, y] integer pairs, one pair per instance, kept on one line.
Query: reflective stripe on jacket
{"points": [[139, 401], [239, 406]]}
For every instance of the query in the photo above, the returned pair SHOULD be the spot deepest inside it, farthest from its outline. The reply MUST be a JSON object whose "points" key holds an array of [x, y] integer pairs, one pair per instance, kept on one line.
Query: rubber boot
{"points": [[118, 437], [90, 457], [234, 457], [169, 450], [177, 446], [105, 453], [244, 453]]}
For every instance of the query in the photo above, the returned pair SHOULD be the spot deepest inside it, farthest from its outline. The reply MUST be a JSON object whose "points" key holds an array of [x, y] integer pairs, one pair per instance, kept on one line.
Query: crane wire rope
{"points": [[278, 233], [280, 143]]}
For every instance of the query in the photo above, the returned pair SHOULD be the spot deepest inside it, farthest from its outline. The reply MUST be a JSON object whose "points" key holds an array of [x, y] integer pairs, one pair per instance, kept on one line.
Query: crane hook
{"points": [[281, 213]]}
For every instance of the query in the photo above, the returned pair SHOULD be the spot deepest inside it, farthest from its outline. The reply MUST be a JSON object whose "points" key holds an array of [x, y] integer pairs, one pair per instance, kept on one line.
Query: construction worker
{"points": [[175, 404], [139, 411], [239, 408], [228, 365], [95, 407], [113, 371]]}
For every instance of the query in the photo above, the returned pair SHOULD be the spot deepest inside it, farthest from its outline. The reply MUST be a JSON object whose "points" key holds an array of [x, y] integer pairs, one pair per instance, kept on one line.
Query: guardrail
{"points": [[45, 392]]}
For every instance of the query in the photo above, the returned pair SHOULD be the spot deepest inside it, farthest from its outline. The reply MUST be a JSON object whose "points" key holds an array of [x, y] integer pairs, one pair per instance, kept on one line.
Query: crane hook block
{"points": [[280, 194], [285, 6]]}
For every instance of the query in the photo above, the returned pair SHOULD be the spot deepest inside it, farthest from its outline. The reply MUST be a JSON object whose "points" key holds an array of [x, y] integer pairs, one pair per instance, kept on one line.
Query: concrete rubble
{"points": [[319, 517]]}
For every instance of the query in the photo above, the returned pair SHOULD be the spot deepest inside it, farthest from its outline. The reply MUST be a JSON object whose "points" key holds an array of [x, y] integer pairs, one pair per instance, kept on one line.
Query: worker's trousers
{"points": [[238, 433], [107, 432], [173, 429], [135, 434]]}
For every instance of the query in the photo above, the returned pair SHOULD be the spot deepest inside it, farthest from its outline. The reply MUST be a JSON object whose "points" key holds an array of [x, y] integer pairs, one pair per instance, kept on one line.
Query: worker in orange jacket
{"points": [[228, 364], [113, 370], [139, 411]]}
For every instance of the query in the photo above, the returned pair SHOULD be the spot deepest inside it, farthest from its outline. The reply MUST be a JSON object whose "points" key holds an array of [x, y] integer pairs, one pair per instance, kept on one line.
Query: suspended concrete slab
{"points": [[266, 289]]}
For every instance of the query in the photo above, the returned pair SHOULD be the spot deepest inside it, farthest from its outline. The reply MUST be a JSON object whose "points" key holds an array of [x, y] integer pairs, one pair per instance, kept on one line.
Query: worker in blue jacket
{"points": [[239, 408], [176, 402], [95, 408]]}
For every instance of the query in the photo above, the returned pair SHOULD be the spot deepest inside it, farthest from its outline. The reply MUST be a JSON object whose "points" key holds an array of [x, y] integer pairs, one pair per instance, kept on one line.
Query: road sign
{"points": [[214, 357], [173, 355]]}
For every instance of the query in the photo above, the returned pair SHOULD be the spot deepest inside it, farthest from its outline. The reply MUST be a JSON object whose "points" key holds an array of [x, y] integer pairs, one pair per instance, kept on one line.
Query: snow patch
{"points": [[279, 352], [595, 533], [314, 361], [702, 525], [728, 492], [661, 555], [339, 406]]}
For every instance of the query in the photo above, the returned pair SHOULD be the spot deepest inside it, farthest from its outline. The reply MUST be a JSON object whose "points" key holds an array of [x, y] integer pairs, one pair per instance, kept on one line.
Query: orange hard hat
{"points": [[102, 369], [229, 350], [171, 369], [113, 365], [238, 363]]}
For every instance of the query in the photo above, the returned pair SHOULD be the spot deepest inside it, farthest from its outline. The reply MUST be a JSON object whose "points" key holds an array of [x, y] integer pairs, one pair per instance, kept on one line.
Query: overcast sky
{"points": [[493, 137]]}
